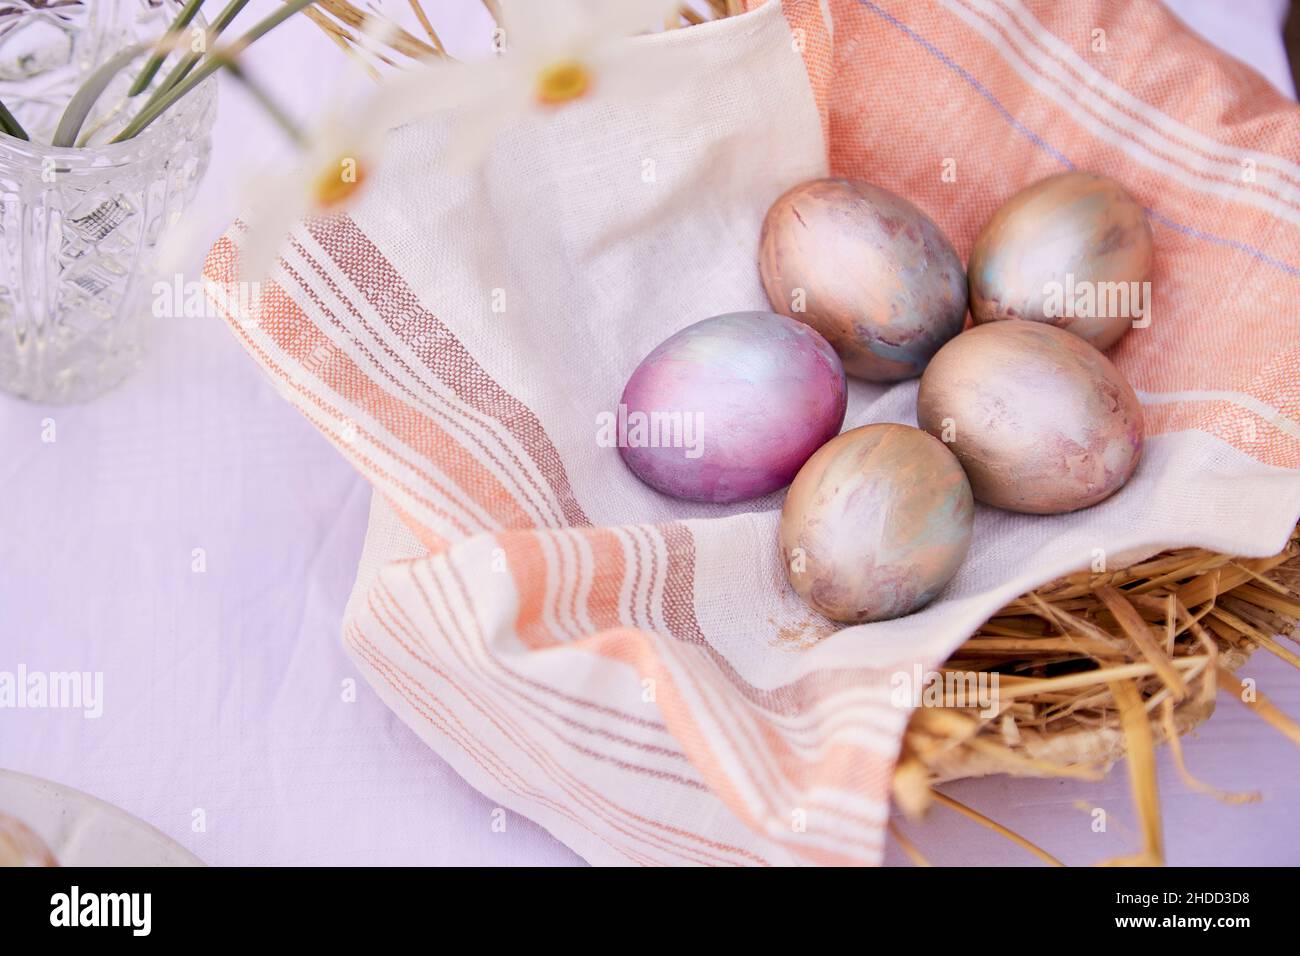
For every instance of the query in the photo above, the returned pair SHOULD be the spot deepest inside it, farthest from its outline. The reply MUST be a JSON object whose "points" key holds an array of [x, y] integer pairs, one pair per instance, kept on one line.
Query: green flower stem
{"points": [[88, 93], [9, 123], [188, 61], [211, 64], [165, 45]]}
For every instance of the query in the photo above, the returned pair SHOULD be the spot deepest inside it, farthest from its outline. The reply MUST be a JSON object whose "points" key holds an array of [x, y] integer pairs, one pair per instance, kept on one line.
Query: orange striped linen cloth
{"points": [[632, 672]]}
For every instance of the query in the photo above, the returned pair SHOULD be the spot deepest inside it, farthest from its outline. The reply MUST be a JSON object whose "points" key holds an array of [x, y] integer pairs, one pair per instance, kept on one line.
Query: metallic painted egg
{"points": [[876, 523], [866, 269], [730, 408], [1042, 422], [1072, 250]]}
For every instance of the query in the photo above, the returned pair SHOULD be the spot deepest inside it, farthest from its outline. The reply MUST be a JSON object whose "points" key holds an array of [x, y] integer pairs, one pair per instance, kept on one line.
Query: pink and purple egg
{"points": [[731, 407]]}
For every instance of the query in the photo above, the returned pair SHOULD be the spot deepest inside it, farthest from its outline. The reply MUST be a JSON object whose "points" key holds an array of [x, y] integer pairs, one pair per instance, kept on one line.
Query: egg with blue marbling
{"points": [[1073, 251], [868, 270]]}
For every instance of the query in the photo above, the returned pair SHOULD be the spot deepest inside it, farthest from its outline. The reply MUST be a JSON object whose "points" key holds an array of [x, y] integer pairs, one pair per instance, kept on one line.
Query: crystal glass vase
{"points": [[80, 228]]}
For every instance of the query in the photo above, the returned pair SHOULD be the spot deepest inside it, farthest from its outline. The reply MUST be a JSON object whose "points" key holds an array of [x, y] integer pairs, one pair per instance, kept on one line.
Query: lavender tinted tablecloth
{"points": [[226, 691]]}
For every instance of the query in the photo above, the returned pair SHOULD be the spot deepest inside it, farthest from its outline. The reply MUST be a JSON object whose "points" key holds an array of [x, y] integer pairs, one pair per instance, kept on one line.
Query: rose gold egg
{"points": [[866, 269], [1071, 250], [1042, 422], [875, 523]]}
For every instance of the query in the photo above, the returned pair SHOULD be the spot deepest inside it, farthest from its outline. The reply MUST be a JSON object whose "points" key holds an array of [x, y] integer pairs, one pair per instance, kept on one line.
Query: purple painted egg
{"points": [[729, 408], [866, 269], [1071, 250], [876, 523], [1042, 422]]}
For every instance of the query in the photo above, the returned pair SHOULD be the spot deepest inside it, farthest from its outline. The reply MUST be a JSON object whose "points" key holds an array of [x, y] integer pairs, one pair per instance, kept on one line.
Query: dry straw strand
{"points": [[1142, 773], [908, 847], [1255, 700], [427, 26], [1095, 667], [1176, 748], [400, 40], [996, 827]]}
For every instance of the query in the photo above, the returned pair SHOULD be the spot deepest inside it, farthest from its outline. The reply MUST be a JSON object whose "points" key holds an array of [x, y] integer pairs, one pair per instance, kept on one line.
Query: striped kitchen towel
{"points": [[630, 671]]}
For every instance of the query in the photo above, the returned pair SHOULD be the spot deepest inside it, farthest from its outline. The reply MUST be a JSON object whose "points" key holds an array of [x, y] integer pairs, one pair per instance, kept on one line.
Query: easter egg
{"points": [[1042, 422], [866, 269], [875, 524], [730, 408], [1071, 250]]}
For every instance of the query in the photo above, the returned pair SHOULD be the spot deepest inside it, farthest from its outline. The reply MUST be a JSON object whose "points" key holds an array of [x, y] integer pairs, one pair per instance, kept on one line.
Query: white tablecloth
{"points": [[232, 720]]}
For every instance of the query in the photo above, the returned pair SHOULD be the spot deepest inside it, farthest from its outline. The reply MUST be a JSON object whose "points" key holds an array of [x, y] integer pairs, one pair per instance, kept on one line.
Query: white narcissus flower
{"points": [[550, 53], [338, 157], [553, 52], [328, 181]]}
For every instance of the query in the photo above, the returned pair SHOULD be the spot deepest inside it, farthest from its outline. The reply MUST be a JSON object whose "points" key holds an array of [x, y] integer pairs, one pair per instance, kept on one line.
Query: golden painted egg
{"points": [[866, 269], [875, 523], [1073, 251], [1040, 420]]}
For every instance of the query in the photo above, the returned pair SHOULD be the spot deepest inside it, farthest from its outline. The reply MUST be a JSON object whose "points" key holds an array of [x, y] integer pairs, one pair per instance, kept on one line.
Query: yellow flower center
{"points": [[336, 184], [561, 82]]}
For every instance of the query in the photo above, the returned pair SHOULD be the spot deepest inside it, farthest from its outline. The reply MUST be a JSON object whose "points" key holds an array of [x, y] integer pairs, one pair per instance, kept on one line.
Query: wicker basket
{"points": [[1096, 666]]}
